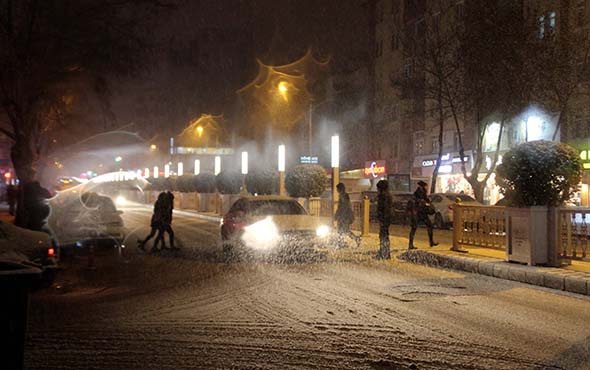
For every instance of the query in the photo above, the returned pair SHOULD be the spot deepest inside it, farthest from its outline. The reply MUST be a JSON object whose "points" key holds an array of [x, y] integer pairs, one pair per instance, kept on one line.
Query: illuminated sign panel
{"points": [[306, 159], [374, 169]]}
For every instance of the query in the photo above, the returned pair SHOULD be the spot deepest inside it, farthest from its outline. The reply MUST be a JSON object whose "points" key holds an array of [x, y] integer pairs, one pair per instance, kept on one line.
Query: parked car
{"points": [[400, 208], [272, 227], [29, 247], [77, 220], [443, 204]]}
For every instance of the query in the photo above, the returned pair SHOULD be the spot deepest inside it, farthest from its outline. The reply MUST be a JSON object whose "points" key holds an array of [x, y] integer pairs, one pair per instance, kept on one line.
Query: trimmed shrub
{"points": [[228, 182], [205, 183], [186, 183], [262, 182], [305, 181], [539, 173]]}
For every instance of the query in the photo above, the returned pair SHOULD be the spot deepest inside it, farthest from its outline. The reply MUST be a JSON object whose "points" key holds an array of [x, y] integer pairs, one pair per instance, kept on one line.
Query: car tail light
{"points": [[50, 252]]}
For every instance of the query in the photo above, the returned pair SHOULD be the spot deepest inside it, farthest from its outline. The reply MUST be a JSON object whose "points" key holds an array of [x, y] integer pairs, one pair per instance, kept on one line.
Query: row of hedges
{"points": [[301, 181]]}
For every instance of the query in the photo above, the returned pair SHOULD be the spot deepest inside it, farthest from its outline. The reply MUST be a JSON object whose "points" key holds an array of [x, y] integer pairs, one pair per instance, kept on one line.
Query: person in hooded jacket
{"points": [[344, 216], [384, 204], [419, 209]]}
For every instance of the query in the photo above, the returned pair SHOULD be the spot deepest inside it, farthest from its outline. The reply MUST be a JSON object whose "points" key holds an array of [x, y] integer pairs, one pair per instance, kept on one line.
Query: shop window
{"points": [[418, 146]]}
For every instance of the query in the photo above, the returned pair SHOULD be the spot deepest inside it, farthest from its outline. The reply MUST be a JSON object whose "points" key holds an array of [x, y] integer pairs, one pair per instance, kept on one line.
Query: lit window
{"points": [[435, 144], [551, 22], [541, 23]]}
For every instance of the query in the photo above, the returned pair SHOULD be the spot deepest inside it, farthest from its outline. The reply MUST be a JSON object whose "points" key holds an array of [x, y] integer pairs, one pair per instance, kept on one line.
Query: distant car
{"points": [[443, 204], [77, 220], [273, 228], [22, 245]]}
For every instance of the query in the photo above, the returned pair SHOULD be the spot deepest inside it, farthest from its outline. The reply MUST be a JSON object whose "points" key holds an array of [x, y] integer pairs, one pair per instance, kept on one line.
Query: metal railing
{"points": [[479, 226], [573, 233], [322, 207]]}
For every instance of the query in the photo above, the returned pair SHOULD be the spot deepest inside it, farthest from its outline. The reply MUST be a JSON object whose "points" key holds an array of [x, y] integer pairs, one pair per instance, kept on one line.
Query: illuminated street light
{"points": [[156, 172], [166, 170], [335, 171], [244, 163], [118, 158], [146, 173], [138, 174], [282, 169], [283, 89], [197, 166], [217, 165], [180, 169], [153, 147], [200, 130]]}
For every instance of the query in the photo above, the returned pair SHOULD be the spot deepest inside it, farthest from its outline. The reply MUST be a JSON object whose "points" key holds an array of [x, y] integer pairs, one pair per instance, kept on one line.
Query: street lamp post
{"points": [[244, 171], [166, 170], [217, 165], [335, 170], [180, 169], [197, 167], [281, 169], [156, 172], [146, 173]]}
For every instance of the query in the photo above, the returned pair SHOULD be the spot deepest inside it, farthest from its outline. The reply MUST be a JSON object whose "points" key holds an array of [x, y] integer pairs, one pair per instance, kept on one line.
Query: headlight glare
{"points": [[322, 231]]}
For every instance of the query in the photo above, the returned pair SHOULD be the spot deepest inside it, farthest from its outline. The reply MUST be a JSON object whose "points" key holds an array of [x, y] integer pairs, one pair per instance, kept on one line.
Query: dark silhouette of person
{"points": [[345, 216], [11, 198], [418, 209], [384, 204], [156, 221], [166, 222]]}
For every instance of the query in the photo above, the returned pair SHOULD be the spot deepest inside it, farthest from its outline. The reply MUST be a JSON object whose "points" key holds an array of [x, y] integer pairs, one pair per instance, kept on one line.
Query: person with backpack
{"points": [[384, 204], [419, 209], [344, 216]]}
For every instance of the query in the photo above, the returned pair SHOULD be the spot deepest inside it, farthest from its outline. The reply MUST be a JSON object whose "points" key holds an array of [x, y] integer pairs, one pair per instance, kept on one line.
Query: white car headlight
{"points": [[322, 231], [262, 235]]}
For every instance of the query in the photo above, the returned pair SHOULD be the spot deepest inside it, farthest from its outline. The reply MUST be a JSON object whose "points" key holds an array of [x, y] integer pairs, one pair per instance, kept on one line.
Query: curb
{"points": [[570, 281]]}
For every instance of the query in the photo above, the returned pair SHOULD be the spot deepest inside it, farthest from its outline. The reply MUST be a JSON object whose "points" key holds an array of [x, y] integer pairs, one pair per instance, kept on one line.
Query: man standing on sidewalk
{"points": [[384, 203], [345, 217], [419, 209]]}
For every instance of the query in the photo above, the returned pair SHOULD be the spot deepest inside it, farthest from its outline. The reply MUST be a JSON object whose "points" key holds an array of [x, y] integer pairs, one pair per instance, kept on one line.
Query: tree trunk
{"points": [[23, 161]]}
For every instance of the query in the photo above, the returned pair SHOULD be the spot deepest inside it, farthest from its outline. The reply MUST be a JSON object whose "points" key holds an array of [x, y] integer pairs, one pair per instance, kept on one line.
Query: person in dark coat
{"points": [[344, 216], [384, 204], [418, 209], [155, 221], [166, 221], [11, 198]]}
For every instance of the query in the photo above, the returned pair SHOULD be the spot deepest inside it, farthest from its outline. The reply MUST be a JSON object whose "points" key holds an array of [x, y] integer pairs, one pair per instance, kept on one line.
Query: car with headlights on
{"points": [[273, 228]]}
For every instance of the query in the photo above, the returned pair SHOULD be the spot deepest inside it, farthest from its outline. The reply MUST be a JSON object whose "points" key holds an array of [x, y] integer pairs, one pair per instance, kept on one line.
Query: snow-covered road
{"points": [[190, 311]]}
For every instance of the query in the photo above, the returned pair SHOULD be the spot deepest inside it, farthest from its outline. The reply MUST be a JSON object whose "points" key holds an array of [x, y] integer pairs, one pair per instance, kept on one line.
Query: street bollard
{"points": [[366, 220]]}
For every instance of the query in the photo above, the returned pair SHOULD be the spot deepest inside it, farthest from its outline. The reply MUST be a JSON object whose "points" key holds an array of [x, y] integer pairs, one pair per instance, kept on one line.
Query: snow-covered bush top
{"points": [[304, 181], [539, 173]]}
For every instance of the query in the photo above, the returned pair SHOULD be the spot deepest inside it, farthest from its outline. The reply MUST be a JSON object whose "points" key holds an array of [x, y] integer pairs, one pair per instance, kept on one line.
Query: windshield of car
{"points": [[276, 207]]}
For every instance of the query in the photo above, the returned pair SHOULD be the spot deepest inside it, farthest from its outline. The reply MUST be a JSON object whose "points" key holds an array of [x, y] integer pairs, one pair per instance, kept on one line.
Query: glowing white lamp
{"points": [[146, 173], [244, 163], [197, 166], [335, 151], [156, 172], [281, 158], [180, 169], [167, 170], [217, 165]]}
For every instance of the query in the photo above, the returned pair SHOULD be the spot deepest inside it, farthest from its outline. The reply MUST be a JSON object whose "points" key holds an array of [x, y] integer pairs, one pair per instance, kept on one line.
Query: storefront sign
{"points": [[429, 163], [306, 159], [374, 169]]}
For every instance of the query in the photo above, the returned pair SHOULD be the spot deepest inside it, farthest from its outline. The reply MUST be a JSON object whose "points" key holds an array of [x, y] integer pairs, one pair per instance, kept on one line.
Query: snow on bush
{"points": [[228, 182], [305, 181], [262, 182], [205, 183], [539, 173]]}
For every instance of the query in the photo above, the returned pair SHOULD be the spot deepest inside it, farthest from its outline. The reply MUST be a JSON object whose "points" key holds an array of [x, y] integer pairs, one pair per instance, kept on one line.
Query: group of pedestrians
{"points": [[418, 209], [161, 223]]}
